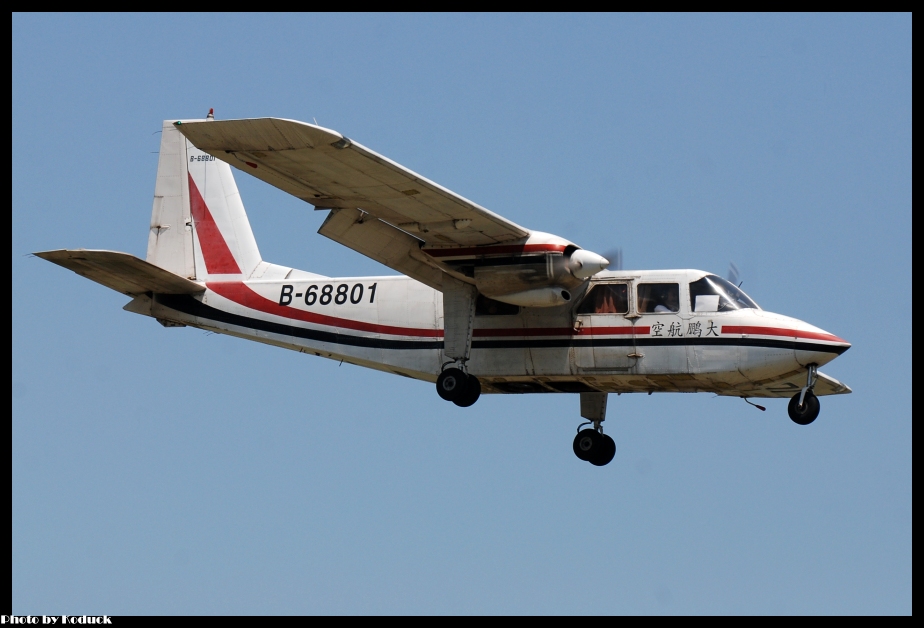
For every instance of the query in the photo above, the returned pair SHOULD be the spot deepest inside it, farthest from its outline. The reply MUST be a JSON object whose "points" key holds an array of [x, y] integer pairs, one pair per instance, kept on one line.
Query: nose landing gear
{"points": [[804, 406]]}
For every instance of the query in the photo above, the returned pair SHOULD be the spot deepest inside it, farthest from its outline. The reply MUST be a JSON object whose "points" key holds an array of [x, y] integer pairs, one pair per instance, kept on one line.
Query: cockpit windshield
{"points": [[714, 294]]}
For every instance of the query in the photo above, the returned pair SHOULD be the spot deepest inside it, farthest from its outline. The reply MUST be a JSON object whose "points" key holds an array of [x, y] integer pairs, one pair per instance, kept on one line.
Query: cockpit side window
{"points": [[714, 294], [655, 298], [608, 298]]}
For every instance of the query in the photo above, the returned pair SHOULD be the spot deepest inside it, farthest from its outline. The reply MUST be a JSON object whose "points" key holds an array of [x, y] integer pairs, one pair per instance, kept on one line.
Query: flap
{"points": [[383, 243]]}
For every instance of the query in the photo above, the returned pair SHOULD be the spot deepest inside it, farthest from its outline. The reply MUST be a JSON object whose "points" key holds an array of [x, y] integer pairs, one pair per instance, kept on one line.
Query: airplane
{"points": [[482, 305]]}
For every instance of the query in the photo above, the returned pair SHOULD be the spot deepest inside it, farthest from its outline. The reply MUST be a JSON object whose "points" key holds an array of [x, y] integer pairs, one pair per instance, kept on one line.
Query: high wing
{"points": [[330, 171]]}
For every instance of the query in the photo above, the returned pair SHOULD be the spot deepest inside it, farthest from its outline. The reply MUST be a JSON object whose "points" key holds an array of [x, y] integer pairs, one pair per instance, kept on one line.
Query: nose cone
{"points": [[813, 344], [584, 264]]}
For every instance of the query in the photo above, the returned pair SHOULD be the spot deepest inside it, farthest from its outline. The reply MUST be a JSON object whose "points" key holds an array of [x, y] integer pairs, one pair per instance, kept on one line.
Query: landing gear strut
{"points": [[454, 384], [804, 406]]}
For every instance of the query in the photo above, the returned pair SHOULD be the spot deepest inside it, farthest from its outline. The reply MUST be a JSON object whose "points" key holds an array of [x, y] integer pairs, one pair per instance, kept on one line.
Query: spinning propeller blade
{"points": [[615, 258], [733, 275]]}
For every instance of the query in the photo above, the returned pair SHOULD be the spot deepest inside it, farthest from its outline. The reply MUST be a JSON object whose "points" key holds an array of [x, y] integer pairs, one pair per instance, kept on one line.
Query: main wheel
{"points": [[807, 412], [586, 444], [472, 392], [605, 452], [451, 384]]}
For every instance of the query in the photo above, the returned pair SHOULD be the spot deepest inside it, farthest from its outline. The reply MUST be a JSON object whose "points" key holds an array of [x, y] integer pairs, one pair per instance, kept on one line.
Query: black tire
{"points": [[586, 444], [807, 412], [451, 384], [605, 452], [472, 393]]}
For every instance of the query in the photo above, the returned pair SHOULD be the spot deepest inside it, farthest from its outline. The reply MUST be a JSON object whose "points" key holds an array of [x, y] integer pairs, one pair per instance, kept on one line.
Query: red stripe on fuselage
{"points": [[215, 251], [561, 331], [780, 331], [242, 294], [503, 249]]}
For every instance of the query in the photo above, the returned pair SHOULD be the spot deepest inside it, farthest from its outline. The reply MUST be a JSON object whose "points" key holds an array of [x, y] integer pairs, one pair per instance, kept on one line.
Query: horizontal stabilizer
{"points": [[122, 272]]}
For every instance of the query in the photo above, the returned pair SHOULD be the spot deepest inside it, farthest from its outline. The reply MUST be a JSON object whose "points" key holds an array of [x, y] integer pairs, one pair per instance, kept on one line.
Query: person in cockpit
{"points": [[667, 298]]}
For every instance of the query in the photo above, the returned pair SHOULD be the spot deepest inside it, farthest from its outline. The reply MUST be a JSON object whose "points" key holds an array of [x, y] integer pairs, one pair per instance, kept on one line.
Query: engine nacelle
{"points": [[543, 280], [522, 274], [540, 297], [542, 271]]}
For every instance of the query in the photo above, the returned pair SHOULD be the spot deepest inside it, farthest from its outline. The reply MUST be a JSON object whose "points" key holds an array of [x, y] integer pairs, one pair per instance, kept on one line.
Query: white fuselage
{"points": [[395, 324]]}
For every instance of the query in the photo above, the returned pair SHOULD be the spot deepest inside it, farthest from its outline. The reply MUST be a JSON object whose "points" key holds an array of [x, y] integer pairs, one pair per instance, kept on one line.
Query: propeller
{"points": [[733, 275], [615, 258], [584, 264]]}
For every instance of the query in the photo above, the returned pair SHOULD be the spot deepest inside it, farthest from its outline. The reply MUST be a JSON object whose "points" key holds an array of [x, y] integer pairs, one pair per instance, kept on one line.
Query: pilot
{"points": [[668, 300]]}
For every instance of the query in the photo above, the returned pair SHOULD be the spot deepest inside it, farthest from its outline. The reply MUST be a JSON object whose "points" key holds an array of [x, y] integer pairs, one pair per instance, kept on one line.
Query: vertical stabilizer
{"points": [[199, 228], [170, 240]]}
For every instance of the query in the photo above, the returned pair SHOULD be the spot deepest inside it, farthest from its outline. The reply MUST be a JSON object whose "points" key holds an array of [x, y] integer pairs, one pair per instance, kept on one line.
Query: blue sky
{"points": [[172, 471]]}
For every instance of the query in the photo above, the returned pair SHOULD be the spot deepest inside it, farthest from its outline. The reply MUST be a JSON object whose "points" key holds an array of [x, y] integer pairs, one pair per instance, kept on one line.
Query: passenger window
{"points": [[607, 298], [655, 298], [489, 307], [714, 294]]}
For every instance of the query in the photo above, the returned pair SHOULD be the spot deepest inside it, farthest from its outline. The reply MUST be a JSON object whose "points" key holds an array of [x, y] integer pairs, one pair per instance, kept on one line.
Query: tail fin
{"points": [[198, 224]]}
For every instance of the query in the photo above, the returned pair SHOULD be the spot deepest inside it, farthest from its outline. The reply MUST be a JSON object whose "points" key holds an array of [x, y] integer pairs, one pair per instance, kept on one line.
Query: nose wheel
{"points": [[804, 406], [593, 446], [805, 412]]}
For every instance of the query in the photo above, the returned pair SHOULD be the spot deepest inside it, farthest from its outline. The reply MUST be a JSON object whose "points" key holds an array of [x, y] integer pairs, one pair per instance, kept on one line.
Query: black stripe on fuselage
{"points": [[188, 305], [656, 342], [193, 307]]}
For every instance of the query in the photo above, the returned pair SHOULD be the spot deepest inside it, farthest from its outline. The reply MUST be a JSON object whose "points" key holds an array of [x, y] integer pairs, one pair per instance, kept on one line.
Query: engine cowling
{"points": [[543, 270], [538, 280]]}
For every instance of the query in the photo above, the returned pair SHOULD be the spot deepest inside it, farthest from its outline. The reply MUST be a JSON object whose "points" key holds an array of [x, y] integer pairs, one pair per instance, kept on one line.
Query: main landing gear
{"points": [[454, 384], [459, 387], [804, 406], [593, 446]]}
